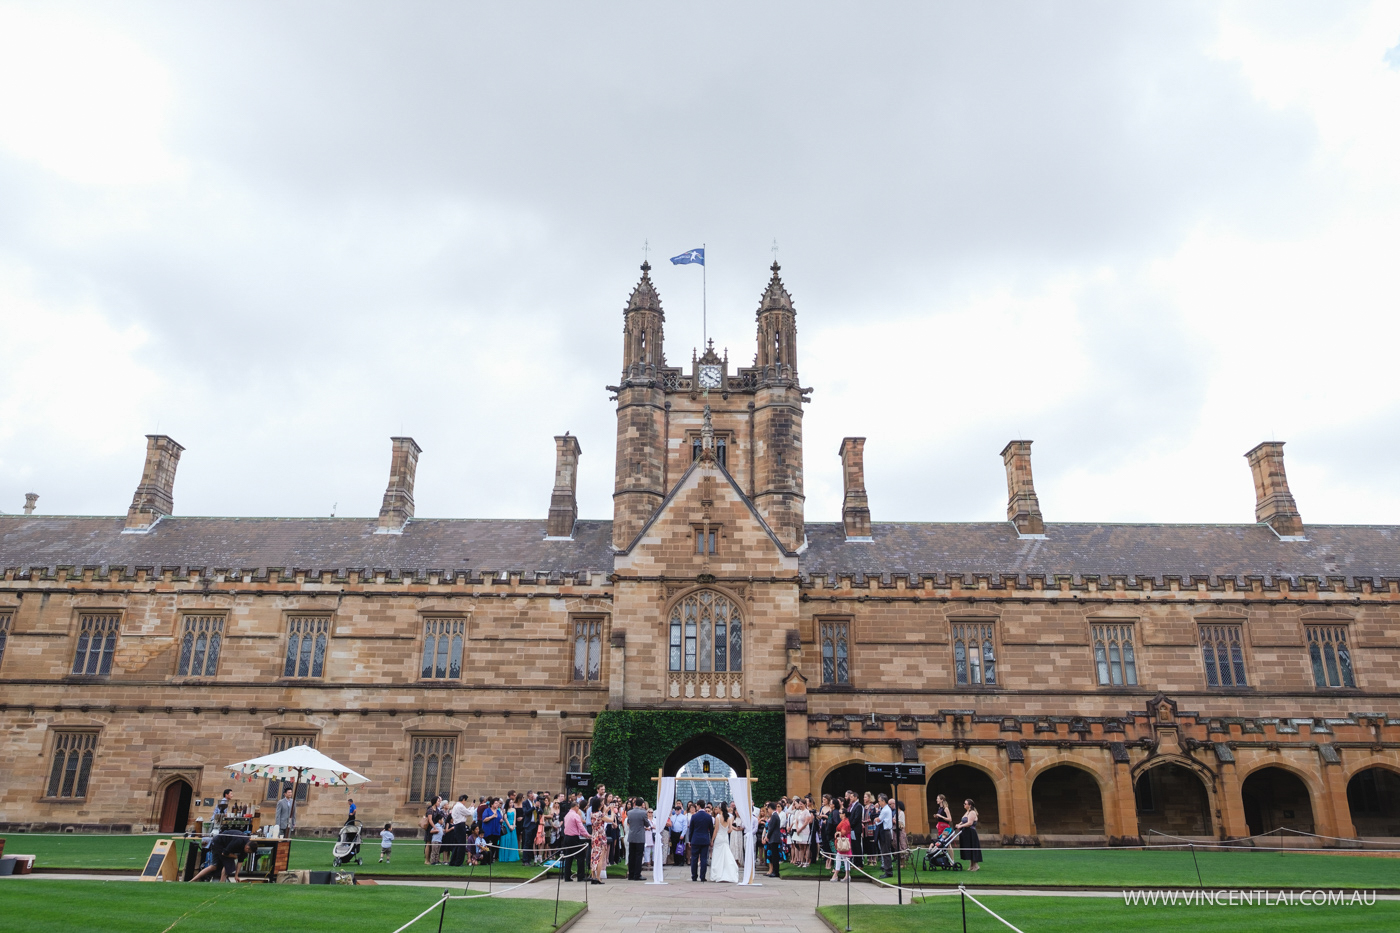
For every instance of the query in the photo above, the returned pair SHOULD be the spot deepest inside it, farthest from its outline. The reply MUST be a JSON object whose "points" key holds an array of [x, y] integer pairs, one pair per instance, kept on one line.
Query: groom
{"points": [[702, 829]]}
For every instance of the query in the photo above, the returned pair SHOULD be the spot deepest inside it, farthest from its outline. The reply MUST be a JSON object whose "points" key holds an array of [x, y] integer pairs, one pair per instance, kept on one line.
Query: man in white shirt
{"points": [[884, 835], [457, 835], [680, 822]]}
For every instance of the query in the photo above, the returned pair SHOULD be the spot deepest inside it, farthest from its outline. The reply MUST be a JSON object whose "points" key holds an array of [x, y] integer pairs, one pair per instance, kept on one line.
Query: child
{"points": [[351, 818], [436, 831], [386, 843], [470, 845]]}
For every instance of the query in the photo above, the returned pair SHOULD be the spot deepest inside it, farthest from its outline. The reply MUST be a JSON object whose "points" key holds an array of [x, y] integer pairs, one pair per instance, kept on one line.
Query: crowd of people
{"points": [[586, 835]]}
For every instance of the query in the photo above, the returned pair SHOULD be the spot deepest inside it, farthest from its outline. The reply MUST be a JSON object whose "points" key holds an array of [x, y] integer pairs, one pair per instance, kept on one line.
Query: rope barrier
{"points": [[974, 900]]}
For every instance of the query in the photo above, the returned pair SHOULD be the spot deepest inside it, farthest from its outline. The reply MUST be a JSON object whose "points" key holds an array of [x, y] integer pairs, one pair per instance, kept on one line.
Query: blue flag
{"points": [[690, 255]]}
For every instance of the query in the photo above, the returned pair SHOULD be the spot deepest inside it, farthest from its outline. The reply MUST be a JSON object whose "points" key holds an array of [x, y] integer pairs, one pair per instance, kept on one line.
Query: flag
{"points": [[690, 255]]}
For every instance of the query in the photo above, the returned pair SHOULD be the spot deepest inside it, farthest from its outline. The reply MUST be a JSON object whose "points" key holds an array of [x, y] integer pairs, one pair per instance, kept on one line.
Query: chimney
{"points": [[1273, 503], [1022, 507], [154, 498], [398, 498], [855, 508], [30, 498], [563, 501]]}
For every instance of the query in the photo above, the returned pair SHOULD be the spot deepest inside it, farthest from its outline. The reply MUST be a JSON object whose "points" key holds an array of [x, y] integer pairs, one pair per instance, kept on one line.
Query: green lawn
{"points": [[1076, 914], [1160, 867], [130, 852], [38, 906]]}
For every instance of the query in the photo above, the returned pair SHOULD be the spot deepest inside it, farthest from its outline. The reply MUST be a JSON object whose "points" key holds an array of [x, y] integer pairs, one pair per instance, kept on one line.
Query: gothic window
{"points": [[721, 449], [588, 650], [280, 743], [974, 654], [431, 771], [199, 646], [1114, 657], [442, 648], [4, 633], [72, 763], [306, 646], [578, 754], [1222, 648], [1331, 656], [836, 650], [706, 539], [706, 634], [97, 644]]}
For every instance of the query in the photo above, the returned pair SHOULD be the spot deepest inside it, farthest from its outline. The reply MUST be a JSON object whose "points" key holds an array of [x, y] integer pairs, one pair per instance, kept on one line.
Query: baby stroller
{"points": [[349, 845], [939, 855]]}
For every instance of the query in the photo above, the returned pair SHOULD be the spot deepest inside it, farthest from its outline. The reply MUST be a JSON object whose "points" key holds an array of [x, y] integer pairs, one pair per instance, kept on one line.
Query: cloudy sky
{"points": [[1147, 236]]}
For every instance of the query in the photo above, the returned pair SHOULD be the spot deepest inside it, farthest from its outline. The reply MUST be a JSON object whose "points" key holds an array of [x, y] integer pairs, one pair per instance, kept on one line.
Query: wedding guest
{"points": [[855, 814], [455, 839], [680, 822], [801, 835], [636, 839], [772, 837], [529, 817], [842, 846], [884, 834], [969, 845], [598, 842], [575, 841]]}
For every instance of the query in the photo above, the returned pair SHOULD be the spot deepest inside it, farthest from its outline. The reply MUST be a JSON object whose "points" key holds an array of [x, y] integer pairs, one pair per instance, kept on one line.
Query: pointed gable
{"points": [[705, 500]]}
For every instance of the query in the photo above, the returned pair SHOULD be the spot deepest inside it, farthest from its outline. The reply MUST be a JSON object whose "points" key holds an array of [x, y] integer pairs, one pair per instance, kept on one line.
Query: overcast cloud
{"points": [[1147, 236]]}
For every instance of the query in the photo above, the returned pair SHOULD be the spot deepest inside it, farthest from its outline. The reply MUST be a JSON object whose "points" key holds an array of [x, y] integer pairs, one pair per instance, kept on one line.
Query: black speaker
{"points": [[322, 877]]}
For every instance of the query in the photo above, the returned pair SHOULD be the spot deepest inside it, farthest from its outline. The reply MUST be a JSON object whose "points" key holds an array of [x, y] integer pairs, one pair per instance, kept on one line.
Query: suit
{"points": [[702, 830], [773, 843]]}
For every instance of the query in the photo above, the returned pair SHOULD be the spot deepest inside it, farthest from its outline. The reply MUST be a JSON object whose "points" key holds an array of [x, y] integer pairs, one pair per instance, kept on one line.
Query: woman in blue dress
{"points": [[510, 843]]}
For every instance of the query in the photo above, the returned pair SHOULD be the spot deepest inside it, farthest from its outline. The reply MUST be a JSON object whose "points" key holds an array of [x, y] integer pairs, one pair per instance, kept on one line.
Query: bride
{"points": [[723, 867]]}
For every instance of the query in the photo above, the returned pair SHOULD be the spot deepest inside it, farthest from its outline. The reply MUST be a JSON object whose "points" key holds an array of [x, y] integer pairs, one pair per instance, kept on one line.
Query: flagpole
{"points": [[704, 306]]}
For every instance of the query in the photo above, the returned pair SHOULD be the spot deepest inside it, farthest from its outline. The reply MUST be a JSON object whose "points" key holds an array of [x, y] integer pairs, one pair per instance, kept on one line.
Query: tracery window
{"points": [[431, 771], [97, 644], [4, 633], [1114, 657], [200, 645], [706, 634], [836, 649], [1222, 646], [721, 449], [306, 646], [1331, 656], [72, 763], [578, 754], [974, 654], [442, 648], [588, 650], [280, 743]]}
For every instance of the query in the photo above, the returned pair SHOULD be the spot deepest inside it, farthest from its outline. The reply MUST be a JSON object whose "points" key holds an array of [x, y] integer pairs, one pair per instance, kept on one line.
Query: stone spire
{"points": [[777, 331], [643, 329]]}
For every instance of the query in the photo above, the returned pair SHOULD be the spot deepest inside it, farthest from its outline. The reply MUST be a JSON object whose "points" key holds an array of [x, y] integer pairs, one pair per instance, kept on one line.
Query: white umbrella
{"points": [[303, 764]]}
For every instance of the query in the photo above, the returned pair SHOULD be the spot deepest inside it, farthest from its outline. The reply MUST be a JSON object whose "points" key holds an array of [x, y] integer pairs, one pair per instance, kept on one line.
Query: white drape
{"points": [[661, 836], [739, 793]]}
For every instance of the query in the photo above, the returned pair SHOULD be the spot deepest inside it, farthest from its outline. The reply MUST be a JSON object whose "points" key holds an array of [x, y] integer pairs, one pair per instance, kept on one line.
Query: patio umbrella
{"points": [[304, 765]]}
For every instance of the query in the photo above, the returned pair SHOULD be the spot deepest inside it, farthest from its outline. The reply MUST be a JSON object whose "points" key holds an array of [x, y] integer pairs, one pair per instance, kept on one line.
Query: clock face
{"points": [[709, 376]]}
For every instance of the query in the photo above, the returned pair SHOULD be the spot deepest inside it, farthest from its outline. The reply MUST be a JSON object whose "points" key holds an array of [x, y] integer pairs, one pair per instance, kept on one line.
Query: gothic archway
{"points": [[706, 744], [1373, 795], [1066, 801], [852, 776], [1275, 798], [958, 782], [1172, 799]]}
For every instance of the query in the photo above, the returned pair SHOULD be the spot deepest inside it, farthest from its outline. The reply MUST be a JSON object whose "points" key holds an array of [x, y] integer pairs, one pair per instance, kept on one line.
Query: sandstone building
{"points": [[1081, 681]]}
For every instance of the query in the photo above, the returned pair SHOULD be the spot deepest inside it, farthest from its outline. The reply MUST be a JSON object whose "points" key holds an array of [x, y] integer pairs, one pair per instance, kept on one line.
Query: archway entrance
{"points": [[1276, 799], [1374, 798], [1065, 801], [852, 777], [959, 782], [1172, 799], [705, 744], [175, 807]]}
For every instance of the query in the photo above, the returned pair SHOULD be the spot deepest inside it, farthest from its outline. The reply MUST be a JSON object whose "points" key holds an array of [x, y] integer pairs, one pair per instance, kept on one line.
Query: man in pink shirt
{"points": [[575, 841]]}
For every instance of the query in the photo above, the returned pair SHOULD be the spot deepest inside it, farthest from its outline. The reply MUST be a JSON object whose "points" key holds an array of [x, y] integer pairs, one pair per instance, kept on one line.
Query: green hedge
{"points": [[630, 746]]}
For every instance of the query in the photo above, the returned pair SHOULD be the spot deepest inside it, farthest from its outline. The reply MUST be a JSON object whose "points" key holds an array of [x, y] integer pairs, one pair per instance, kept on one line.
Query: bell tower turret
{"points": [[641, 447], [778, 416]]}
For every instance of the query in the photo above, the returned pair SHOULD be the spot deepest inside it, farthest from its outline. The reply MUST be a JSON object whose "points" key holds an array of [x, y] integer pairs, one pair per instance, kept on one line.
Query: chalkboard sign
{"points": [[896, 774], [160, 866]]}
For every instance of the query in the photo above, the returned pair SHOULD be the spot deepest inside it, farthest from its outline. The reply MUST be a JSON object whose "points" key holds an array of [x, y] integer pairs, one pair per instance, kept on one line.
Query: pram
{"points": [[348, 847], [939, 855]]}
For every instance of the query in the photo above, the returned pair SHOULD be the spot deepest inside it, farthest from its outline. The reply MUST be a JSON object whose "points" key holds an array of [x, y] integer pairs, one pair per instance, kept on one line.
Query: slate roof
{"points": [[1352, 552], [304, 543], [1156, 551]]}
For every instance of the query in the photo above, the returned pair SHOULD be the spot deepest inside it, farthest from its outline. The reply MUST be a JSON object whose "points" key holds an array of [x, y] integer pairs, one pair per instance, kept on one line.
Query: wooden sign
{"points": [[160, 866]]}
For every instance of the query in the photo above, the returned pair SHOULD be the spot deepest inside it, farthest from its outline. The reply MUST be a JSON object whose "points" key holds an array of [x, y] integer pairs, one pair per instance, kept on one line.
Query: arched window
{"points": [[707, 634]]}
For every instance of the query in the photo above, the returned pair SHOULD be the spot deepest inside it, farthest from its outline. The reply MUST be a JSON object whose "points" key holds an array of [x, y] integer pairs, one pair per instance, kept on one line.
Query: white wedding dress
{"points": [[722, 864]]}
